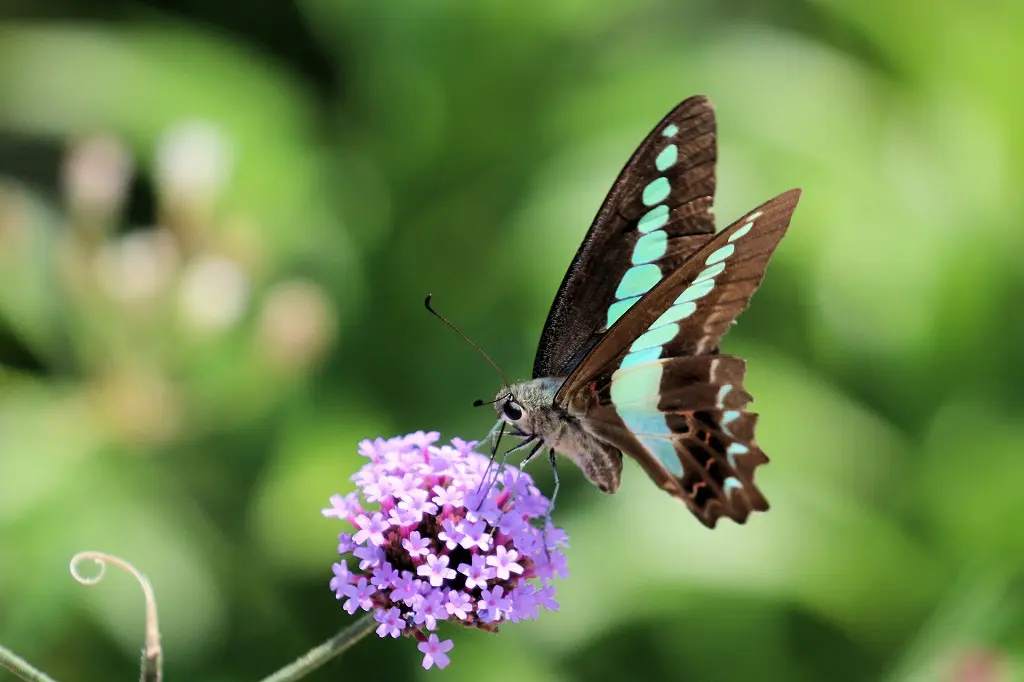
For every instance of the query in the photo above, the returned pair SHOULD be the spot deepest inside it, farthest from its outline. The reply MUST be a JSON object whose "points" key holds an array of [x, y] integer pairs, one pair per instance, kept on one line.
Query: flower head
{"points": [[439, 546]]}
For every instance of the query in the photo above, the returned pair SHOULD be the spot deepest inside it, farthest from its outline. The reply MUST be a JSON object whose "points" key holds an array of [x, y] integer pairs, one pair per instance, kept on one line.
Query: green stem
{"points": [[326, 651], [21, 667]]}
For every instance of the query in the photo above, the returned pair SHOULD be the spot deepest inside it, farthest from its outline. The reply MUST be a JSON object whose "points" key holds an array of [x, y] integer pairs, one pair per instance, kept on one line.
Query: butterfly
{"points": [[628, 361]]}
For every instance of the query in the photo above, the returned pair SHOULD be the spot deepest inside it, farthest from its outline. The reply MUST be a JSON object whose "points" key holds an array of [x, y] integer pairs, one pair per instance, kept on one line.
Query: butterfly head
{"points": [[527, 406]]}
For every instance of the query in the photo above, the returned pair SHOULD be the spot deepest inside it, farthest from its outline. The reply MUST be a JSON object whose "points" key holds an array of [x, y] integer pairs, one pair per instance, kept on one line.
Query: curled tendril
{"points": [[152, 654]]}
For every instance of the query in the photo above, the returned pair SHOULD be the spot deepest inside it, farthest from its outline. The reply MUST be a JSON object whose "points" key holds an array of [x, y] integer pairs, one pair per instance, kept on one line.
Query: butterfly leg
{"points": [[522, 465], [529, 457], [551, 504], [515, 485], [554, 493], [491, 439]]}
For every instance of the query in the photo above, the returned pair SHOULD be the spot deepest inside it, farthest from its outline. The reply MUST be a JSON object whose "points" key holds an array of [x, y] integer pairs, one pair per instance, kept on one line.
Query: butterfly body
{"points": [[628, 361], [562, 430]]}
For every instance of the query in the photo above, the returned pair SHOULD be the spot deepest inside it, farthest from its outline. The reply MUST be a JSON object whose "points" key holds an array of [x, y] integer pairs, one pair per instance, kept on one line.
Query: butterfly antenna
{"points": [[504, 381]]}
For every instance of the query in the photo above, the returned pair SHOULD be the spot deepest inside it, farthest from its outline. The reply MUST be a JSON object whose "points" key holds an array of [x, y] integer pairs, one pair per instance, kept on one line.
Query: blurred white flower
{"points": [[194, 160], [96, 173], [138, 404], [297, 324], [214, 292], [137, 266]]}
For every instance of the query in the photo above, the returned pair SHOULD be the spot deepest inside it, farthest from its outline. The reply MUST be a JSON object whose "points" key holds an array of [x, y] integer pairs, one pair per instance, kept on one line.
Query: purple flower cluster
{"points": [[436, 541]]}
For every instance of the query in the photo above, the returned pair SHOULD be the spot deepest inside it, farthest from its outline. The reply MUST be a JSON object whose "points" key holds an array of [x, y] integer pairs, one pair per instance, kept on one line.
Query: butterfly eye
{"points": [[512, 410]]}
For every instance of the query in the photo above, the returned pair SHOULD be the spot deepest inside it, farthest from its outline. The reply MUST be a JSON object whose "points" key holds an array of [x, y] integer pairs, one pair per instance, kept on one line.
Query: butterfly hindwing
{"points": [[695, 438], [655, 216], [655, 387]]}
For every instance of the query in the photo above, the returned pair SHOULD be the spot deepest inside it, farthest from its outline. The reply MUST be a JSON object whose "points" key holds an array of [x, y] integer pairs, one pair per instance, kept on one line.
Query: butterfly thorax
{"points": [[529, 407]]}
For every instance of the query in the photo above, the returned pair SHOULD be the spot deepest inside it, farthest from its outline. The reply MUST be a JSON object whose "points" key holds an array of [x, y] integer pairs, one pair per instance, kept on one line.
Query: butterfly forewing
{"points": [[705, 295], [656, 215], [655, 387]]}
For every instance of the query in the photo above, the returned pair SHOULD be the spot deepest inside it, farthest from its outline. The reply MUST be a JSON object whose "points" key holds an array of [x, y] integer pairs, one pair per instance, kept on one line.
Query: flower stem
{"points": [[325, 652], [21, 667]]}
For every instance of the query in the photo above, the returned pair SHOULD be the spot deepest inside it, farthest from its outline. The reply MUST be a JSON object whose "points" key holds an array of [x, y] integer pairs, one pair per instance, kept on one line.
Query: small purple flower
{"points": [[556, 537], [369, 556], [429, 610], [415, 545], [345, 544], [417, 502], [440, 513], [360, 596], [534, 506], [405, 587], [384, 576], [477, 574], [368, 448], [484, 507], [401, 485], [435, 652], [458, 604], [422, 439], [493, 604], [451, 534], [463, 447], [524, 602], [556, 566], [376, 491], [504, 562], [475, 534], [530, 545], [391, 623], [341, 578], [450, 496], [436, 569], [403, 517], [546, 597], [371, 528], [343, 506]]}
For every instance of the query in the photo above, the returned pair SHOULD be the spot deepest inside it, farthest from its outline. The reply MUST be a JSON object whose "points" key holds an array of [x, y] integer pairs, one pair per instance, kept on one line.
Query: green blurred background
{"points": [[218, 222]]}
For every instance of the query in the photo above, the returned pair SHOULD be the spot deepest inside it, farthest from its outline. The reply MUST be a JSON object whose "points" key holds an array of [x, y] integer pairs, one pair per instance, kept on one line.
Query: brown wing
{"points": [[656, 214]]}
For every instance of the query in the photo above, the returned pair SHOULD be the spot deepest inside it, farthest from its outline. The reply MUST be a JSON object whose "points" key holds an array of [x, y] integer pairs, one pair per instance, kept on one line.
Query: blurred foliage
{"points": [[217, 226]]}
